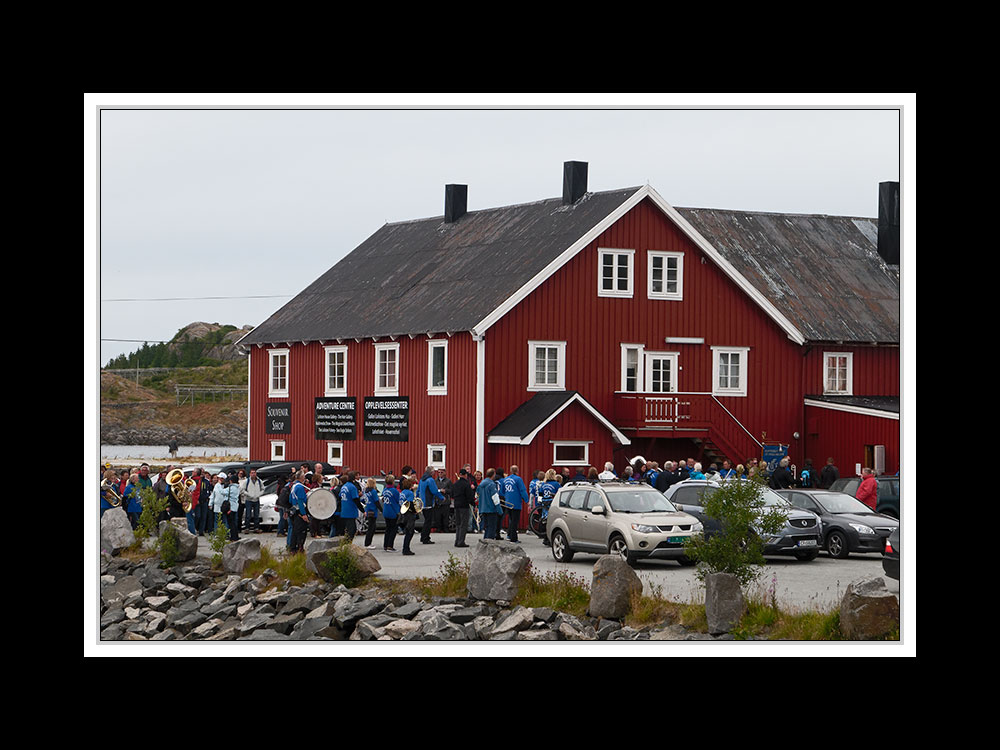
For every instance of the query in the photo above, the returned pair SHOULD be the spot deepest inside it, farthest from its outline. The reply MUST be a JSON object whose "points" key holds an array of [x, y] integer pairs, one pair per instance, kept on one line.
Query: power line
{"points": [[195, 299]]}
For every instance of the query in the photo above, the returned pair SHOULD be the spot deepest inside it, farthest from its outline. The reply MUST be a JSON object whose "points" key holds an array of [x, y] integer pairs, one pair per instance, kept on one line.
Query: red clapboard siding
{"points": [[448, 419]]}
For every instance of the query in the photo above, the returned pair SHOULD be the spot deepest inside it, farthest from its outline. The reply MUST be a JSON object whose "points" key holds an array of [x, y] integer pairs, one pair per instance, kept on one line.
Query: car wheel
{"points": [[618, 547], [807, 555], [836, 545], [560, 547]]}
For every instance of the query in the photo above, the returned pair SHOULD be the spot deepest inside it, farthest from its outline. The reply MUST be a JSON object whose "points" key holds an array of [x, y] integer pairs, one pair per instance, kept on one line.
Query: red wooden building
{"points": [[592, 327]]}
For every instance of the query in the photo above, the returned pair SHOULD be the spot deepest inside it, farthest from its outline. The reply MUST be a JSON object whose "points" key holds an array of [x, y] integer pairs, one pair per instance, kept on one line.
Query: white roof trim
{"points": [[526, 440], [704, 245], [865, 411]]}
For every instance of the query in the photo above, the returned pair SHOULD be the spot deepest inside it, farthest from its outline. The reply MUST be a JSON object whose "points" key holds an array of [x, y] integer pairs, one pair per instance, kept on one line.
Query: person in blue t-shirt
{"points": [[391, 500], [515, 495], [372, 504], [433, 501], [350, 506], [410, 518]]}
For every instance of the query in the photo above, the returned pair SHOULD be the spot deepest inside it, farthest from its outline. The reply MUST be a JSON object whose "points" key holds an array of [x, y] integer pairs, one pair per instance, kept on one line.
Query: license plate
{"points": [[677, 539], [807, 543]]}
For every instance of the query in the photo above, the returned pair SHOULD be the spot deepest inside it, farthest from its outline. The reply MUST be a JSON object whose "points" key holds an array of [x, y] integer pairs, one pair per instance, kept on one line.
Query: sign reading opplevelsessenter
{"points": [[336, 418], [387, 418]]}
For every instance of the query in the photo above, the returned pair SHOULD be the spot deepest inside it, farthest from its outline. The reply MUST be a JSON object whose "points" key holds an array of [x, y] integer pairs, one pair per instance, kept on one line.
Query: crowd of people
{"points": [[490, 502]]}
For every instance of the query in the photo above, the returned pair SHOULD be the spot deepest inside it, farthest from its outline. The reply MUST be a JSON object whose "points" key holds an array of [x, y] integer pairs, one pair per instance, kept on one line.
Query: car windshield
{"points": [[773, 499], [639, 501], [839, 502]]}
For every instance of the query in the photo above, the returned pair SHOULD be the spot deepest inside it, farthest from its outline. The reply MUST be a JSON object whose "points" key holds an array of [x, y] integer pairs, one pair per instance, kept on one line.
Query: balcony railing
{"points": [[687, 415]]}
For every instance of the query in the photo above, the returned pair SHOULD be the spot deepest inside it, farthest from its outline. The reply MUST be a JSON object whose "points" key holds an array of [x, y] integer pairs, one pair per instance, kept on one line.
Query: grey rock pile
{"points": [[142, 602]]}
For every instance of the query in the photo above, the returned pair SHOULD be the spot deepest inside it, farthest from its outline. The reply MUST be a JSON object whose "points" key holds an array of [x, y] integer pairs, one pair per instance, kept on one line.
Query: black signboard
{"points": [[278, 418], [387, 418], [336, 418]]}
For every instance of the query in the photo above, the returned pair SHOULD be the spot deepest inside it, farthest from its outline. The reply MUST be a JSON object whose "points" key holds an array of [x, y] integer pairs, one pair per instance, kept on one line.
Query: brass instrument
{"points": [[181, 488], [111, 493], [417, 506]]}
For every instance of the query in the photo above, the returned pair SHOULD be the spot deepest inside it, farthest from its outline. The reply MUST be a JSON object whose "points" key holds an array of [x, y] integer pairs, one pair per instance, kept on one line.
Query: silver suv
{"points": [[629, 520]]}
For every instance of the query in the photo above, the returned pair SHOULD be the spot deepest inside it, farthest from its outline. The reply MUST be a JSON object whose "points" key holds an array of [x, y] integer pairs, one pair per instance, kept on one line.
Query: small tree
{"points": [[745, 521], [218, 539]]}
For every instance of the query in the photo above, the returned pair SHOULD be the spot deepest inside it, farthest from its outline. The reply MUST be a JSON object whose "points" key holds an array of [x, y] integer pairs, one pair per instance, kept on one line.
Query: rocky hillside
{"points": [[196, 344]]}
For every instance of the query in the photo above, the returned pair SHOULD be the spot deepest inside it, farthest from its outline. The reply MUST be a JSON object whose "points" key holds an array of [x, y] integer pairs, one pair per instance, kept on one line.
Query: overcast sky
{"points": [[198, 203]]}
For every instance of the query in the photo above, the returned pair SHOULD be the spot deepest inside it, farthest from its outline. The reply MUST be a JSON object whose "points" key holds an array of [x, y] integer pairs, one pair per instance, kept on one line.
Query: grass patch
{"points": [[291, 567], [764, 621], [561, 590], [452, 582]]}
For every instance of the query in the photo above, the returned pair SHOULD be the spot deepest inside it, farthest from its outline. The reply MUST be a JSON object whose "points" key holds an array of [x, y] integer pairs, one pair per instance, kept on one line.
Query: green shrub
{"points": [[341, 567], [152, 508], [738, 548], [169, 545], [218, 539]]}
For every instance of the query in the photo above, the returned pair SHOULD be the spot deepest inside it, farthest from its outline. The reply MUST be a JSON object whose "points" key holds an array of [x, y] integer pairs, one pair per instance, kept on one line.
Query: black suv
{"points": [[887, 501]]}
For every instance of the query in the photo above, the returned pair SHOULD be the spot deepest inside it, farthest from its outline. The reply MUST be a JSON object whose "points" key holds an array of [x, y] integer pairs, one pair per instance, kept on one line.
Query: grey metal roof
{"points": [[821, 272], [526, 418], [430, 276], [877, 403]]}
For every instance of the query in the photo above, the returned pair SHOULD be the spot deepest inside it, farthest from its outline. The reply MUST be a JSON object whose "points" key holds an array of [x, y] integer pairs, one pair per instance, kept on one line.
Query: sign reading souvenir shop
{"points": [[387, 418], [336, 418], [279, 418]]}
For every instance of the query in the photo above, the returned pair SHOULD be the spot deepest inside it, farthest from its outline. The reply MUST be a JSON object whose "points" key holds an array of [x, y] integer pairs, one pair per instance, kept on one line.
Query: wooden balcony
{"points": [[685, 415]]}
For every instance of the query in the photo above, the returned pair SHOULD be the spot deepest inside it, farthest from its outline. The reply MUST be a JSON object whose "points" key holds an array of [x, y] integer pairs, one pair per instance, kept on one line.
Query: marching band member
{"points": [[410, 518], [391, 500], [515, 495], [371, 511]]}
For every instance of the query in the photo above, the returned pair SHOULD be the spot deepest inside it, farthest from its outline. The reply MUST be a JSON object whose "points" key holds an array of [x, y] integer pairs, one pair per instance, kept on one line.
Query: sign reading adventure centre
{"points": [[387, 418], [336, 418]]}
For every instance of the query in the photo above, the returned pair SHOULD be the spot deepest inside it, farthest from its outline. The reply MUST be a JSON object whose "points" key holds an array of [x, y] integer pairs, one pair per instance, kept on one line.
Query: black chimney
{"points": [[888, 222], [574, 180], [456, 200]]}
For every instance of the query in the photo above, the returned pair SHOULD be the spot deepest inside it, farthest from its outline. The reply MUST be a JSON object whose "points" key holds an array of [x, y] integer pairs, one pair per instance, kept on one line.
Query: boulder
{"points": [[868, 610], [496, 570], [116, 531], [317, 550], [613, 586], [724, 602], [187, 543], [236, 555]]}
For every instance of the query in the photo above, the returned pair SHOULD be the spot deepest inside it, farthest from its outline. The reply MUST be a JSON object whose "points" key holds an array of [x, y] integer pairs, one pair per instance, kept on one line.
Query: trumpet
{"points": [[181, 488], [111, 493]]}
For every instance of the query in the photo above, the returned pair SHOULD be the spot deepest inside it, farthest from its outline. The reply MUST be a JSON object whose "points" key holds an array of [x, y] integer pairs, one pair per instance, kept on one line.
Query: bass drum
{"points": [[321, 503]]}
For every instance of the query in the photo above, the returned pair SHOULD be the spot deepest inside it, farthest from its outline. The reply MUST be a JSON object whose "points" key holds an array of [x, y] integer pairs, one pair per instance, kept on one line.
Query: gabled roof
{"points": [[819, 278], [823, 272], [426, 276], [527, 420]]}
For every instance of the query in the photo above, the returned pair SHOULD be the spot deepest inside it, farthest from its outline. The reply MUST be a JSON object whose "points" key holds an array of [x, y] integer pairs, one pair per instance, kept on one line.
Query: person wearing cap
{"points": [[463, 496]]}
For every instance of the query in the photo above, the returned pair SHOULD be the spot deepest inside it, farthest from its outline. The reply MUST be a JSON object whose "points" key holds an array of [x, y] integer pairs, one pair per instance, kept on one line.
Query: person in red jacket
{"points": [[868, 489]]}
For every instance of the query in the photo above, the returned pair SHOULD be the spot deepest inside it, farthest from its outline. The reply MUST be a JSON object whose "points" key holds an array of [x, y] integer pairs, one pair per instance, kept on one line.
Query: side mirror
{"points": [[597, 510]]}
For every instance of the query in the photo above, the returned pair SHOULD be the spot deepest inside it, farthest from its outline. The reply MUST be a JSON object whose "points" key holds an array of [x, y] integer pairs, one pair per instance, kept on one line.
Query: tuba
{"points": [[181, 488], [111, 493]]}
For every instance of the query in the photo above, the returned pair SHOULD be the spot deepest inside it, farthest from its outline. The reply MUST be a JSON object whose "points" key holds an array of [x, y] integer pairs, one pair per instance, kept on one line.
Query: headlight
{"points": [[862, 529], [697, 526], [644, 528]]}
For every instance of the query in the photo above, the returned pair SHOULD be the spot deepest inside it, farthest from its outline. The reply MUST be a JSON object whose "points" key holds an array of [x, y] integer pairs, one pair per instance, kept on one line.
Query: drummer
{"points": [[300, 515], [350, 505]]}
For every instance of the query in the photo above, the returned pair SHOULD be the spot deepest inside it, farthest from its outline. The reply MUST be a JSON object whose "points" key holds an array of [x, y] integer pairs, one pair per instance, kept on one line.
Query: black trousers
{"points": [[350, 527], [371, 518], [430, 519], [390, 533], [409, 524], [513, 520], [461, 524], [300, 529]]}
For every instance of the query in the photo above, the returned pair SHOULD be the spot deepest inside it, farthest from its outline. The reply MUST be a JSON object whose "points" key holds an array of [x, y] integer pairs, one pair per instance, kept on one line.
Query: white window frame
{"points": [[271, 354], [741, 389], [557, 444], [433, 390], [327, 390], [335, 460], [392, 390], [277, 456], [849, 379], [615, 252], [640, 367], [431, 448], [679, 294], [560, 384], [673, 358]]}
